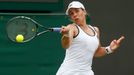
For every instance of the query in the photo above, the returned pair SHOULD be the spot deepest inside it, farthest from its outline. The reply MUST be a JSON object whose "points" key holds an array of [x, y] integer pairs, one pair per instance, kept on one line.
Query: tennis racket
{"points": [[27, 27]]}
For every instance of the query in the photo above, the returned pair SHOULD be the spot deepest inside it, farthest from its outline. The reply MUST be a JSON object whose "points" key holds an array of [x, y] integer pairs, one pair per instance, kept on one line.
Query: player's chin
{"points": [[77, 22]]}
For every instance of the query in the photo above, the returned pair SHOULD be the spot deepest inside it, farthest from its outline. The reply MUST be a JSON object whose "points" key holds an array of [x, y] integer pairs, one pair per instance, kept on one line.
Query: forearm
{"points": [[67, 39], [100, 52]]}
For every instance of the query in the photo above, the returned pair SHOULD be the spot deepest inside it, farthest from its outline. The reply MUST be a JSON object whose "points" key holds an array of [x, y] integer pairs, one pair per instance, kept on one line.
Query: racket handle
{"points": [[56, 29]]}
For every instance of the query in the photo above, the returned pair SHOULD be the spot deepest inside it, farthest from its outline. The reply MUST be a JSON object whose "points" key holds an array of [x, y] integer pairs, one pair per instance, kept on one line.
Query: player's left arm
{"points": [[102, 51], [67, 35]]}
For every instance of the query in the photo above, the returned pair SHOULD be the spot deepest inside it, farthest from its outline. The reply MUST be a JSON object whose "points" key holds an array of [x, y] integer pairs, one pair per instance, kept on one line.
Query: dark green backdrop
{"points": [[41, 56], [31, 6]]}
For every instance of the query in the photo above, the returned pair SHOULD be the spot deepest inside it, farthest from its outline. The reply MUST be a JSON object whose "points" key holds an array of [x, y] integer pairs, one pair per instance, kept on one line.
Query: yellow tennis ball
{"points": [[19, 38]]}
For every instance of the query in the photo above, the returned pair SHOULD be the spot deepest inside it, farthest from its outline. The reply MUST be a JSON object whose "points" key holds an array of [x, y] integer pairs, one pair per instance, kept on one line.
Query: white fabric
{"points": [[73, 72], [108, 50], [74, 4], [79, 55]]}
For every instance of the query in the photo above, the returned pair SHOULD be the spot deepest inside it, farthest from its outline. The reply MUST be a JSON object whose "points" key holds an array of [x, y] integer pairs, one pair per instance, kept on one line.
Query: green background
{"points": [[32, 6], [41, 56]]}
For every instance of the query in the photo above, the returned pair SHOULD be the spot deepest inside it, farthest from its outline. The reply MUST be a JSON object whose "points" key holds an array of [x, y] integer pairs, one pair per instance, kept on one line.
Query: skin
{"points": [[78, 16]]}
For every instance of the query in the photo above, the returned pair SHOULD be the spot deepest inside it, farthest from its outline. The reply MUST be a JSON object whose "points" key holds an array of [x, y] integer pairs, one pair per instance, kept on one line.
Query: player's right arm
{"points": [[67, 35]]}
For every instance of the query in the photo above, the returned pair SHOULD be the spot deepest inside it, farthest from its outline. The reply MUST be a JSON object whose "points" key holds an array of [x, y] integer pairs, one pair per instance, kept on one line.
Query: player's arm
{"points": [[67, 35], [102, 51]]}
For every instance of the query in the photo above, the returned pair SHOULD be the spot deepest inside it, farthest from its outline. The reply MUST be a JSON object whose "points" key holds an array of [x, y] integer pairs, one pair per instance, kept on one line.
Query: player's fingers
{"points": [[120, 39], [115, 41], [64, 29]]}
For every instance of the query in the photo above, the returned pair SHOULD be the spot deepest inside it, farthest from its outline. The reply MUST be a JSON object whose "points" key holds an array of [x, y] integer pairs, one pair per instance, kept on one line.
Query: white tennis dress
{"points": [[78, 57]]}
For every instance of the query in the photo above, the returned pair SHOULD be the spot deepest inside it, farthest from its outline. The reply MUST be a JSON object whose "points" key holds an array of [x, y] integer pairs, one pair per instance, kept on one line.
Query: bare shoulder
{"points": [[97, 30]]}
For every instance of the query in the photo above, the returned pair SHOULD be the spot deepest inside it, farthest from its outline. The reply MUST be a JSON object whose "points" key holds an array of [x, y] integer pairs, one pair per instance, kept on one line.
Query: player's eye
{"points": [[77, 10], [71, 13]]}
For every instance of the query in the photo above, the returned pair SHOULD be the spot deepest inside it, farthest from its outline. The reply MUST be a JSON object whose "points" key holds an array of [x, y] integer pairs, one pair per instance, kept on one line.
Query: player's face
{"points": [[77, 15]]}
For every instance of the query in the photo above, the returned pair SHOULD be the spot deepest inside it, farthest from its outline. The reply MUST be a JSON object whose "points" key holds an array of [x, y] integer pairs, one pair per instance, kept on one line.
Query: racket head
{"points": [[21, 25]]}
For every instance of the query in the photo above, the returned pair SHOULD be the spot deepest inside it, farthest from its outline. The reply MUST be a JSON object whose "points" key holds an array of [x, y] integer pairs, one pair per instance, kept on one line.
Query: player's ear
{"points": [[84, 11]]}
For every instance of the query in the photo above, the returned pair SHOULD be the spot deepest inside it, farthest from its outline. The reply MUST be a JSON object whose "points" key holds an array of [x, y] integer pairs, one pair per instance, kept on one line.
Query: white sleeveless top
{"points": [[80, 54]]}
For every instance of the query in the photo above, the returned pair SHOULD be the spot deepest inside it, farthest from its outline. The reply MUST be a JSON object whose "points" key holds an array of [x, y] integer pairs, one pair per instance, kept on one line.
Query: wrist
{"points": [[66, 35], [108, 50]]}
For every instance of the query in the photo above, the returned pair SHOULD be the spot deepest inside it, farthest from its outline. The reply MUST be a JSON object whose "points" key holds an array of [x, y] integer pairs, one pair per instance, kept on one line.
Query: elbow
{"points": [[100, 52], [66, 42], [65, 46], [98, 55]]}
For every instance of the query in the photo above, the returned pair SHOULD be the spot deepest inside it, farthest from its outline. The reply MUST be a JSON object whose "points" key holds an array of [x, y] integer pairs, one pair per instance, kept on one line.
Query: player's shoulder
{"points": [[96, 28]]}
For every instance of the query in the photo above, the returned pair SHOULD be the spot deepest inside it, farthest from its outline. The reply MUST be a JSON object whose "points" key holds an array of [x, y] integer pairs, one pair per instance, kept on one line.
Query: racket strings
{"points": [[24, 26], [27, 27]]}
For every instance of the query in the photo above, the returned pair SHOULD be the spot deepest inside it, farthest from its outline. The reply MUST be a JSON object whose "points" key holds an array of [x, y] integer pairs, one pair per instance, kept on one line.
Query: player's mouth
{"points": [[76, 19]]}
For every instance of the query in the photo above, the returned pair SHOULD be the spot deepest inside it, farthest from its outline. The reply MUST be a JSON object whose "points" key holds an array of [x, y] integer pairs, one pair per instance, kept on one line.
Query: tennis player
{"points": [[82, 43]]}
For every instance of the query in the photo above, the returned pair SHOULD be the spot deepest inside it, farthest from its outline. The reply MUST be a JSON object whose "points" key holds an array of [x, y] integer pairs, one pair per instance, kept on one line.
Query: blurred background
{"points": [[44, 54]]}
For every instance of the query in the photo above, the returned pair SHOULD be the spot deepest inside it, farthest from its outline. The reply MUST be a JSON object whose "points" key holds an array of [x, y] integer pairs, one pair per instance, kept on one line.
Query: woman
{"points": [[82, 43]]}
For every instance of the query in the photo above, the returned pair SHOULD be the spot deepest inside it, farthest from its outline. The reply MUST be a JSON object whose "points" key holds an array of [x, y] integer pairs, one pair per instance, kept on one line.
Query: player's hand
{"points": [[64, 30], [116, 43]]}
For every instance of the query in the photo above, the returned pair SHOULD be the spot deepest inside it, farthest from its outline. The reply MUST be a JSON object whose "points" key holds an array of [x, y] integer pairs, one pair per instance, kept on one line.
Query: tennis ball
{"points": [[19, 38]]}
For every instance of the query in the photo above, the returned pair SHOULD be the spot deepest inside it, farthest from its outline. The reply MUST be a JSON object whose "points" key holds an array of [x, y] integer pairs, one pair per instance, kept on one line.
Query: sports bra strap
{"points": [[93, 29]]}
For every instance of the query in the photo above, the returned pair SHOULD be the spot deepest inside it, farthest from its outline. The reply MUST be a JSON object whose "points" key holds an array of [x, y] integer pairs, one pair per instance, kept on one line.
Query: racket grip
{"points": [[56, 29]]}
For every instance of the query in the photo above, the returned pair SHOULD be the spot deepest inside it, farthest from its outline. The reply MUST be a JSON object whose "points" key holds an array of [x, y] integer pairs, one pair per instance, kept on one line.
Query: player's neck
{"points": [[83, 24]]}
